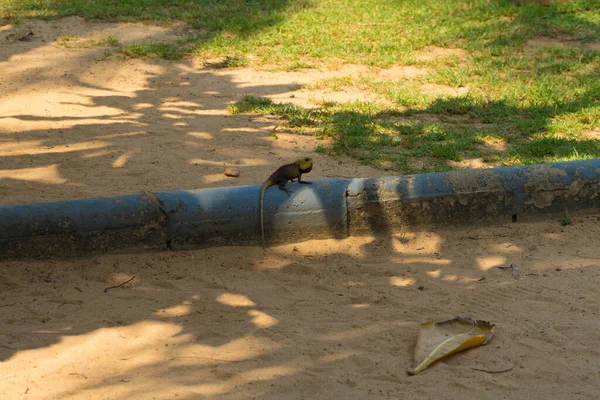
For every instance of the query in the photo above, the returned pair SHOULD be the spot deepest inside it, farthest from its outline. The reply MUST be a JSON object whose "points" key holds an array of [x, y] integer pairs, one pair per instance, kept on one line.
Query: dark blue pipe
{"points": [[328, 208]]}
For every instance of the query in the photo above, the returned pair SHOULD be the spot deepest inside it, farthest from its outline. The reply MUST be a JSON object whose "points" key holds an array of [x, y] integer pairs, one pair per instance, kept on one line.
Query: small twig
{"points": [[494, 372], [224, 285], [338, 176], [205, 358], [119, 285], [78, 374]]}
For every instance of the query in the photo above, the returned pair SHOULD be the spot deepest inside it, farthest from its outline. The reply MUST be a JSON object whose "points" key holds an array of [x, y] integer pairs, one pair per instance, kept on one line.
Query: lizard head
{"points": [[304, 164]]}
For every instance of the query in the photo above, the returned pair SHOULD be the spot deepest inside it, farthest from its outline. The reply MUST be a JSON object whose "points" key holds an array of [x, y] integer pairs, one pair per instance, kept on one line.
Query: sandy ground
{"points": [[317, 320]]}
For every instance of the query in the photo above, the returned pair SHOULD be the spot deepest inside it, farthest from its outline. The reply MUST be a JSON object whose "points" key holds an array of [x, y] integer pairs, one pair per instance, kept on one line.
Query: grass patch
{"points": [[109, 40], [566, 220], [70, 41]]}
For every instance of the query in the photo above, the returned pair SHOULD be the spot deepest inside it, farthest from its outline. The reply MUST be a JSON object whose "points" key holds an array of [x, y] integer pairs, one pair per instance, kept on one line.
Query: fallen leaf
{"points": [[441, 339]]}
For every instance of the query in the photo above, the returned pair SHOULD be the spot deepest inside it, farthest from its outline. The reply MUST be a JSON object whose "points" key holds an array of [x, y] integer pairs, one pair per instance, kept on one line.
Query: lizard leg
{"points": [[301, 181], [282, 187]]}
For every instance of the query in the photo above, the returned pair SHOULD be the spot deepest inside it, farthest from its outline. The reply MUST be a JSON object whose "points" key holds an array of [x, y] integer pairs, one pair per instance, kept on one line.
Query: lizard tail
{"points": [[262, 218]]}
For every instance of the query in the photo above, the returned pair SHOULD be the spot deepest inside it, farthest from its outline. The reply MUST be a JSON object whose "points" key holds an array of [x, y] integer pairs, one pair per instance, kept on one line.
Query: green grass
{"points": [[436, 130], [566, 220], [516, 103], [108, 41]]}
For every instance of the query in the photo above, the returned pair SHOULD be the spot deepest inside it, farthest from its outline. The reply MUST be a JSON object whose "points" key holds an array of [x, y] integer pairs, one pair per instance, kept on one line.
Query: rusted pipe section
{"points": [[481, 196]]}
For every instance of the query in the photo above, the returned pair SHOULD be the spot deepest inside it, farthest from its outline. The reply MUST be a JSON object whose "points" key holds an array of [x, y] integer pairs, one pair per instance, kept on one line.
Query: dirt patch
{"points": [[593, 134], [400, 72], [494, 144], [436, 90], [469, 163], [321, 319], [421, 163], [74, 127], [433, 53], [50, 31], [561, 41], [318, 97]]}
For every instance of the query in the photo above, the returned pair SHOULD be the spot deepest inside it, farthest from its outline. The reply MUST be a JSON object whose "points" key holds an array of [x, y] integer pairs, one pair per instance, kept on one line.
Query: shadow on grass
{"points": [[452, 128], [528, 19]]}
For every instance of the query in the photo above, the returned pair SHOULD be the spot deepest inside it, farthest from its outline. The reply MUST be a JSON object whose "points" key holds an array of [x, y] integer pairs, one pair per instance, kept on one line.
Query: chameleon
{"points": [[281, 176]]}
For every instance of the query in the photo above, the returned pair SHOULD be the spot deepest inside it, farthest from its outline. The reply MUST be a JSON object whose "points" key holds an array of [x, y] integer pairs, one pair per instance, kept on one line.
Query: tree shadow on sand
{"points": [[304, 320]]}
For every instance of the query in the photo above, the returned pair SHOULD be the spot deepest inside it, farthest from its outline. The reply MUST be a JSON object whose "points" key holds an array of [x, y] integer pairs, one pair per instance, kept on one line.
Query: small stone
{"points": [[27, 38], [421, 287], [233, 172]]}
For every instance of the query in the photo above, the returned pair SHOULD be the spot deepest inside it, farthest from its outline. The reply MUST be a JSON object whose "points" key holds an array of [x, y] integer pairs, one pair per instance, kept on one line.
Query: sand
{"points": [[316, 320], [322, 319]]}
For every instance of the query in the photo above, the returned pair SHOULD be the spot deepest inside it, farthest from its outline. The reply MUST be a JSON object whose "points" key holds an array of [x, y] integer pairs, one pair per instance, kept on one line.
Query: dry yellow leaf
{"points": [[441, 339]]}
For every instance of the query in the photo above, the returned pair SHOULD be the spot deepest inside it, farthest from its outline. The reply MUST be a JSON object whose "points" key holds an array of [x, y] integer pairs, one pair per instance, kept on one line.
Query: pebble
{"points": [[233, 172]]}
